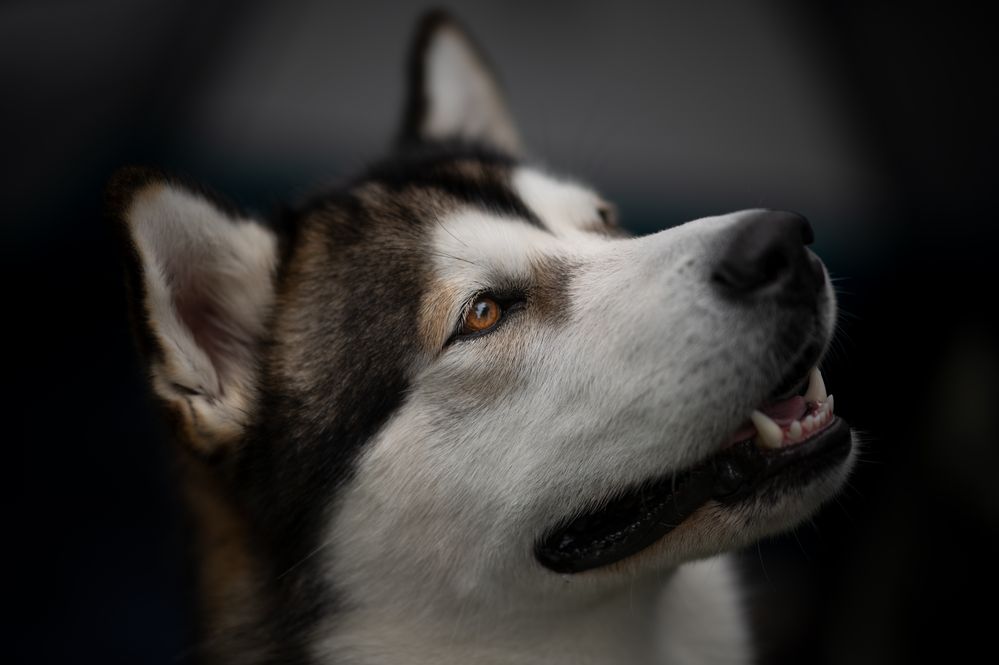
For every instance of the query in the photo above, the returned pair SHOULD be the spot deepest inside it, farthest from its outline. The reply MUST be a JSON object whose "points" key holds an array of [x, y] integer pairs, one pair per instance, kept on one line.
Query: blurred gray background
{"points": [[875, 121]]}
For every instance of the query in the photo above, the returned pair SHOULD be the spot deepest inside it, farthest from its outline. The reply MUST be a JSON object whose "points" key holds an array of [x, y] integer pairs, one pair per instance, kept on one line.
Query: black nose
{"points": [[766, 253]]}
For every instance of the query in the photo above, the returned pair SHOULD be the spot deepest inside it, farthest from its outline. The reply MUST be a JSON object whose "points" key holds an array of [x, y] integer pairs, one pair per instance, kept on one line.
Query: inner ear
{"points": [[454, 93], [202, 280], [213, 330]]}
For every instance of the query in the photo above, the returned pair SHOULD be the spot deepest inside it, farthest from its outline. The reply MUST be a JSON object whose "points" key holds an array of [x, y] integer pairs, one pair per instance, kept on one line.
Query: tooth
{"points": [[809, 423], [770, 434], [795, 430], [816, 387], [829, 404]]}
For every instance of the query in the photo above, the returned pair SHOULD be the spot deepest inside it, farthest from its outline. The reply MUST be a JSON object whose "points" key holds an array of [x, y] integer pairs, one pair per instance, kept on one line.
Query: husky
{"points": [[452, 413]]}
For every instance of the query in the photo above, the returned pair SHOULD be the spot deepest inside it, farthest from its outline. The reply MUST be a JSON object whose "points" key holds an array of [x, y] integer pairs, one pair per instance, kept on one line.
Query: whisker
{"points": [[445, 255], [305, 558], [447, 231]]}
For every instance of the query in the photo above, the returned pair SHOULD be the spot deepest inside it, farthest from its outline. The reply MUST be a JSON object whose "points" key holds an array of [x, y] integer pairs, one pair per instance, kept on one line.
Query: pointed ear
{"points": [[453, 92], [201, 281]]}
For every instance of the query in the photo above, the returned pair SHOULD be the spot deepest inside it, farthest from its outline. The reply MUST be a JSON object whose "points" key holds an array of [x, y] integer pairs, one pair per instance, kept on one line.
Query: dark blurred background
{"points": [[877, 121]]}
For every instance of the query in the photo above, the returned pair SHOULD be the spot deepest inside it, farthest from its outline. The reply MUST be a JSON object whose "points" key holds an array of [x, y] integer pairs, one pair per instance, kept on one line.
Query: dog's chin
{"points": [[769, 475]]}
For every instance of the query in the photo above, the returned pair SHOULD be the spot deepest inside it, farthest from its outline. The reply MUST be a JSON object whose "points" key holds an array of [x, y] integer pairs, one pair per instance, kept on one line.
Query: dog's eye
{"points": [[483, 314]]}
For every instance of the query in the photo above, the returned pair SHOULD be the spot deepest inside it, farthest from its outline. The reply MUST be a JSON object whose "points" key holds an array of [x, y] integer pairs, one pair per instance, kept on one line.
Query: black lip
{"points": [[613, 532]]}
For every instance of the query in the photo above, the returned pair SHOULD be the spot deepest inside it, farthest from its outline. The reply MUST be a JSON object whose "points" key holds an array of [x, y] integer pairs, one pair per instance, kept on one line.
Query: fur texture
{"points": [[370, 484]]}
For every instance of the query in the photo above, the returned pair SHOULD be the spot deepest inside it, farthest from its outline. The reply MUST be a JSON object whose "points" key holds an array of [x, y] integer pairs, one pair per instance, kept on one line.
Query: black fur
{"points": [[349, 285], [436, 167], [361, 295]]}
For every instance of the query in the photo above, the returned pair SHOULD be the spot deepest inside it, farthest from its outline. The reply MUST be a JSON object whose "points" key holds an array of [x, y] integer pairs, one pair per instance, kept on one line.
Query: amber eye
{"points": [[481, 316]]}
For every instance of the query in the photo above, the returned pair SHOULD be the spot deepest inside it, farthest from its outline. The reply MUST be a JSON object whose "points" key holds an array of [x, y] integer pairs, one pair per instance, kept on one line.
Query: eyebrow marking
{"points": [[473, 178], [490, 196]]}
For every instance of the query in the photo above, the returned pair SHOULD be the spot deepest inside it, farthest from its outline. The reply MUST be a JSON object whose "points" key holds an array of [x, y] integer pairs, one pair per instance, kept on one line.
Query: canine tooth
{"points": [[829, 404], [816, 387], [795, 430], [770, 433]]}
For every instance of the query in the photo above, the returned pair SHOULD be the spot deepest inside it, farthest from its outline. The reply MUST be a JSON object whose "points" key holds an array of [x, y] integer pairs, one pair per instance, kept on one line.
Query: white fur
{"points": [[702, 616], [189, 248], [563, 205], [431, 542], [688, 616], [464, 100], [639, 370]]}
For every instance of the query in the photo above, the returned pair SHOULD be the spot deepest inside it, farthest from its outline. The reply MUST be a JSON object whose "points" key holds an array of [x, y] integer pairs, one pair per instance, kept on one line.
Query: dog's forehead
{"points": [[473, 247], [434, 180], [456, 219], [420, 235]]}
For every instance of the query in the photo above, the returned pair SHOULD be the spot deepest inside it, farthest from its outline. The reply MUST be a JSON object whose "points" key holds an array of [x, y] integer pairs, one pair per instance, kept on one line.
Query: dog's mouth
{"points": [[788, 441]]}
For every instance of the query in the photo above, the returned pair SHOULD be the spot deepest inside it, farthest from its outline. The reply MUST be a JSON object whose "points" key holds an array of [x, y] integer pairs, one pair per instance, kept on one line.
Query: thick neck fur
{"points": [[689, 615], [617, 629], [677, 617]]}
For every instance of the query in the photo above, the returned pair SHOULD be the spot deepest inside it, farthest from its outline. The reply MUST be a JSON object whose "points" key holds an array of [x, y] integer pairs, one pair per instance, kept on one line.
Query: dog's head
{"points": [[457, 378]]}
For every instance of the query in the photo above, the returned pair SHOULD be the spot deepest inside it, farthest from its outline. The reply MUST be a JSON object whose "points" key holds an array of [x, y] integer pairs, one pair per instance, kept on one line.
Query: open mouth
{"points": [[790, 441]]}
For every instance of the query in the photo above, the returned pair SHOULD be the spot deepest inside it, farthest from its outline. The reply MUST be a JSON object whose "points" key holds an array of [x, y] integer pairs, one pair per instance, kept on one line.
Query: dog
{"points": [[452, 413]]}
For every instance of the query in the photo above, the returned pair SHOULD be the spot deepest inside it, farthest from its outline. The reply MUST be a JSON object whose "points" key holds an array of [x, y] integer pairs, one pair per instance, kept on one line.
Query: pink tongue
{"points": [[786, 411], [783, 413]]}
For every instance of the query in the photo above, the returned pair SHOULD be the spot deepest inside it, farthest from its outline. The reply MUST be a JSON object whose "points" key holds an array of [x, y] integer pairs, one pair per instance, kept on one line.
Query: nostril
{"points": [[774, 264], [766, 248], [745, 276]]}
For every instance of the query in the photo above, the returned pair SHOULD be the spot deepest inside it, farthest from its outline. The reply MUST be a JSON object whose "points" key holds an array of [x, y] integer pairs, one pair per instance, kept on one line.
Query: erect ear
{"points": [[201, 283], [453, 92]]}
